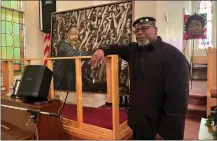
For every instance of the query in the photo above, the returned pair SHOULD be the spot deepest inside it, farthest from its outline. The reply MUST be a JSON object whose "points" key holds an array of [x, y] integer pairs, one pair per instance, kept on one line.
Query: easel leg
{"points": [[191, 64]]}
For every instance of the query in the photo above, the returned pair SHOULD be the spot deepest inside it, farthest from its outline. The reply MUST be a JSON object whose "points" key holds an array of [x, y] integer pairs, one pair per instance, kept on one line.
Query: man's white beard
{"points": [[144, 42]]}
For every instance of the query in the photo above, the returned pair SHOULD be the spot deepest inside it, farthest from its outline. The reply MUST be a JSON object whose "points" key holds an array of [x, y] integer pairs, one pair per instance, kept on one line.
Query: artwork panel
{"points": [[79, 33], [195, 26]]}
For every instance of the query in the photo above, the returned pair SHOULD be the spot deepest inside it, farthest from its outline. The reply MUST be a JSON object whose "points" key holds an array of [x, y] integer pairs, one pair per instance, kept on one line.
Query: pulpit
{"points": [[48, 127]]}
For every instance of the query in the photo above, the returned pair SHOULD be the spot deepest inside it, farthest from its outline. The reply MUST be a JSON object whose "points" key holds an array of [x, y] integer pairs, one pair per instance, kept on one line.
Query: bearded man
{"points": [[159, 83]]}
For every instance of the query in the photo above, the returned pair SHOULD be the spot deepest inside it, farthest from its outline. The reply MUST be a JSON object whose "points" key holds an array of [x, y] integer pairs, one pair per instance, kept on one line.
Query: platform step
{"points": [[198, 108], [196, 111], [197, 100]]}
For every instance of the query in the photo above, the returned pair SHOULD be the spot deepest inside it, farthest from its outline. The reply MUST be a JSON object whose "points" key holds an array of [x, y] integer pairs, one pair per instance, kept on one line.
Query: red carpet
{"points": [[101, 117]]}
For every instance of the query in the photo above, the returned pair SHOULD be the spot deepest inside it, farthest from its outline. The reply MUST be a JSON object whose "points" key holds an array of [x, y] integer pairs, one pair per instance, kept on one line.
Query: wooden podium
{"points": [[49, 128]]}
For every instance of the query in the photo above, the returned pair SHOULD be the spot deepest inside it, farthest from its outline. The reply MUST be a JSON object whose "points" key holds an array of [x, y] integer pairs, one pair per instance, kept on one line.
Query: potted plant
{"points": [[211, 123]]}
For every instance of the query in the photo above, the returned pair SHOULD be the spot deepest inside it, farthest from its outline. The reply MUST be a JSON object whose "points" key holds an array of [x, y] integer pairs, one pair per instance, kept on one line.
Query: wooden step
{"points": [[199, 66], [197, 100], [198, 92], [199, 108], [196, 111]]}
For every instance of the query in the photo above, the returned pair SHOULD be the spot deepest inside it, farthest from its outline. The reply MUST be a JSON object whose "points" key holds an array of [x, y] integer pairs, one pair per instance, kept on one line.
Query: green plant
{"points": [[211, 123]]}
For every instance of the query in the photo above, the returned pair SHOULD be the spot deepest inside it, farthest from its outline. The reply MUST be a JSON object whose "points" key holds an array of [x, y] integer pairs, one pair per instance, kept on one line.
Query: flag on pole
{"points": [[46, 47]]}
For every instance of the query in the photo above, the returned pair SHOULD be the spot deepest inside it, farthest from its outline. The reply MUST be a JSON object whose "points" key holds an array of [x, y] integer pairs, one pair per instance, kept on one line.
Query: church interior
{"points": [[96, 107]]}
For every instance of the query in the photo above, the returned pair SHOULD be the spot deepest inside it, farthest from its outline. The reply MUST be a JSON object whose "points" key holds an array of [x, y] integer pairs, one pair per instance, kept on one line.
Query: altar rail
{"points": [[112, 93]]}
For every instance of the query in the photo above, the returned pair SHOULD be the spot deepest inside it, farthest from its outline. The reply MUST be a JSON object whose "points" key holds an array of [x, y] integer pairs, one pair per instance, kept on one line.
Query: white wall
{"points": [[34, 37], [69, 5], [171, 31], [103, 2]]}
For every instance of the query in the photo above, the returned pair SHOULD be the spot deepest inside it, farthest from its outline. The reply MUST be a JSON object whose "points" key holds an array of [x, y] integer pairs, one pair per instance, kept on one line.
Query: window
{"points": [[206, 7], [13, 32]]}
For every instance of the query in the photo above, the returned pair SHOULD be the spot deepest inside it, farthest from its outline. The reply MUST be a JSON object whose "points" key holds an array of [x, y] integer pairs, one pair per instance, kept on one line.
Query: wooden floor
{"points": [[191, 129], [199, 89]]}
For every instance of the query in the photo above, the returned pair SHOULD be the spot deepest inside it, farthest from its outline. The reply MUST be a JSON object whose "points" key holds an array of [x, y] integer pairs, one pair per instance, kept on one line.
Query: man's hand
{"points": [[158, 137], [96, 57]]}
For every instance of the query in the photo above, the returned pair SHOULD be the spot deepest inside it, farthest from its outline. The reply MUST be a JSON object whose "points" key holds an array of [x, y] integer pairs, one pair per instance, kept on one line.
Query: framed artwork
{"points": [[79, 33], [195, 26]]}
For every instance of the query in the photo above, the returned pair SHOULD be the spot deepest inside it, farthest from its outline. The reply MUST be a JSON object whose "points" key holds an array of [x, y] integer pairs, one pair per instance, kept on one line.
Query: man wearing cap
{"points": [[159, 83]]}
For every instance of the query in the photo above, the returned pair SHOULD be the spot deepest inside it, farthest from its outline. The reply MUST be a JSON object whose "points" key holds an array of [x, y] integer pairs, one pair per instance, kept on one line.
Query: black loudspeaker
{"points": [[46, 8], [35, 83]]}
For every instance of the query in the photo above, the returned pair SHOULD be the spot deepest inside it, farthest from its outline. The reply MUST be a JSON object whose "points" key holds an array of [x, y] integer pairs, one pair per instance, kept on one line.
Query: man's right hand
{"points": [[96, 57]]}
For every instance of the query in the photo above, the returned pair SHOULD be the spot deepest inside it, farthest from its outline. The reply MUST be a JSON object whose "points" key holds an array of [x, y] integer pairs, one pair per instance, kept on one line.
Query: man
{"points": [[64, 70], [159, 83], [195, 26]]}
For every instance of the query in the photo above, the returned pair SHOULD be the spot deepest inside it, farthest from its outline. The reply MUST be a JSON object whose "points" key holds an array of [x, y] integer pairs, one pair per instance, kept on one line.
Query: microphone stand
{"points": [[34, 113]]}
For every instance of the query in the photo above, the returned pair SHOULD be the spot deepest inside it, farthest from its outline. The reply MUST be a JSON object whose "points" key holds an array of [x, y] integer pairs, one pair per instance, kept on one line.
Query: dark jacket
{"points": [[159, 88], [64, 70]]}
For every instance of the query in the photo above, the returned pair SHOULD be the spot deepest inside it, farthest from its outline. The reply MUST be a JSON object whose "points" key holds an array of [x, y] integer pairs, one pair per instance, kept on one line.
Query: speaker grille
{"points": [[35, 82]]}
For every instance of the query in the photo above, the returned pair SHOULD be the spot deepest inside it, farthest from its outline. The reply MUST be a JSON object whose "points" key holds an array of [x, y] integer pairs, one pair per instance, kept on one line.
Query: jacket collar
{"points": [[155, 45]]}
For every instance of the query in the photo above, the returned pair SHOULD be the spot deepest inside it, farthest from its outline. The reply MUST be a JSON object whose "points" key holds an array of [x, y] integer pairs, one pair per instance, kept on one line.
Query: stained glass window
{"points": [[13, 33], [206, 7], [18, 4]]}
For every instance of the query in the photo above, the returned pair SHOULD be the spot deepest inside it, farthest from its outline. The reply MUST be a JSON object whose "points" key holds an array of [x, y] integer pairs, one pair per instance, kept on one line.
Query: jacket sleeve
{"points": [[122, 51], [176, 72], [67, 51]]}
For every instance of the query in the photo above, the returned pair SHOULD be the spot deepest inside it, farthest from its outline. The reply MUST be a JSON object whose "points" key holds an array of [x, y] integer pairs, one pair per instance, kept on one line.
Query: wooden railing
{"points": [[211, 78], [112, 84]]}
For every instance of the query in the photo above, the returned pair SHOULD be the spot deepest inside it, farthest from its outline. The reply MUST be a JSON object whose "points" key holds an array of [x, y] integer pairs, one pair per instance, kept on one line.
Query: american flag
{"points": [[46, 47]]}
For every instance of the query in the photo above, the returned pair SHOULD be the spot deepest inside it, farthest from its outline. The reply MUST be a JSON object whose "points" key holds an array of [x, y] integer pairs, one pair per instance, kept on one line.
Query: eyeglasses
{"points": [[143, 29]]}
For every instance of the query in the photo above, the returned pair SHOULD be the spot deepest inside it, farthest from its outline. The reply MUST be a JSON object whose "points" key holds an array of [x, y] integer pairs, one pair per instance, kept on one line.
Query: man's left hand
{"points": [[158, 137]]}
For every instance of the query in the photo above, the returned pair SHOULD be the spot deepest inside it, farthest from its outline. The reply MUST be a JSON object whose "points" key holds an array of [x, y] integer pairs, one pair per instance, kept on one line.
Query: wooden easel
{"points": [[192, 57]]}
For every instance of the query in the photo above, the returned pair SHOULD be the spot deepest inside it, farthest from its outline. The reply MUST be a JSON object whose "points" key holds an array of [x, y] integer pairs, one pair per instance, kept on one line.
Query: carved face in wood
{"points": [[72, 36]]}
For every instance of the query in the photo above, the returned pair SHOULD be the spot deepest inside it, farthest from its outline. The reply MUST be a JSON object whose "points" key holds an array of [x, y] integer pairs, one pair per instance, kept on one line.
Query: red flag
{"points": [[46, 47]]}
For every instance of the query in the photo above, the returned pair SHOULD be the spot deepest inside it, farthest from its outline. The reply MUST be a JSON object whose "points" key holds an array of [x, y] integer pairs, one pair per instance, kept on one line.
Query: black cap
{"points": [[145, 20]]}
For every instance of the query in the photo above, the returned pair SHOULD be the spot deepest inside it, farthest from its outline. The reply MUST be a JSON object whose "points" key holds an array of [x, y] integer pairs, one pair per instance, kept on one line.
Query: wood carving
{"points": [[80, 32]]}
